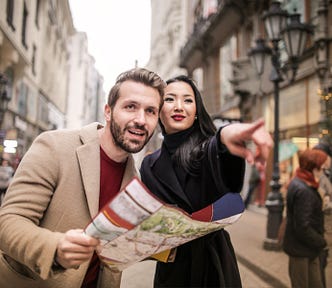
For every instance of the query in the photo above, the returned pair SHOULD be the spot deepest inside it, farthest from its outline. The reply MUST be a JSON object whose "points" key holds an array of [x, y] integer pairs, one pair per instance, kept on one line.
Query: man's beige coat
{"points": [[56, 188]]}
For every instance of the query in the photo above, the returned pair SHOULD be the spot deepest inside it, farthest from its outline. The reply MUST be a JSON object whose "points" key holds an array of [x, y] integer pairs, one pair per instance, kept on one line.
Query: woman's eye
{"points": [[188, 100], [168, 99]]}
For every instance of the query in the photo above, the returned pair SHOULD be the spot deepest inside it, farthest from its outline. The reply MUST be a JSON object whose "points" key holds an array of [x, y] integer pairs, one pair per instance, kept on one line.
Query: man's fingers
{"points": [[76, 257], [71, 258], [75, 241], [75, 248], [77, 236]]}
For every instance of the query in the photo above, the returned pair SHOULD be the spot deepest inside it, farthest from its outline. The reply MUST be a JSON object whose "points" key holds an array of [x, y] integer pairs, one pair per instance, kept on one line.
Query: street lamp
{"points": [[4, 97], [294, 35]]}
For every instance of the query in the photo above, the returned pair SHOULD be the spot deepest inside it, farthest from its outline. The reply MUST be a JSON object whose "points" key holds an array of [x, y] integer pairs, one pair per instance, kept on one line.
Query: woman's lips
{"points": [[178, 117]]}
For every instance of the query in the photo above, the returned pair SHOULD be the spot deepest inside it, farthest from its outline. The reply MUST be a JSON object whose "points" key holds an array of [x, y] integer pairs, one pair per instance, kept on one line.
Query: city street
{"points": [[248, 236], [258, 267], [239, 62]]}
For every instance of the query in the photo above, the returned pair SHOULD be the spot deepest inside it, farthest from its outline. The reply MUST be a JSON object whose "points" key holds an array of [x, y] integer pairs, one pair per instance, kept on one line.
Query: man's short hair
{"points": [[139, 75]]}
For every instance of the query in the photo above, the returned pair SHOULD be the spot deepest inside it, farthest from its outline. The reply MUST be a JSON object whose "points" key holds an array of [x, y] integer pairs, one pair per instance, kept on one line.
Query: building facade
{"points": [[86, 97], [219, 44], [215, 37], [38, 89]]}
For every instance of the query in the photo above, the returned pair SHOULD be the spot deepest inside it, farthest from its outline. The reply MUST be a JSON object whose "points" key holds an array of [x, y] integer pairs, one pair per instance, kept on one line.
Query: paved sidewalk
{"points": [[139, 275], [259, 268], [247, 236]]}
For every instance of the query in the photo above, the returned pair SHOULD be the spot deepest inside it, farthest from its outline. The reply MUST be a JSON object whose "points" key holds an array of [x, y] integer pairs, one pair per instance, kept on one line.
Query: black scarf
{"points": [[173, 141]]}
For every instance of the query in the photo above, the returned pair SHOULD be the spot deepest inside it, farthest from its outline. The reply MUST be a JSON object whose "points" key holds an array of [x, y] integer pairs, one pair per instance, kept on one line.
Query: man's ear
{"points": [[107, 112]]}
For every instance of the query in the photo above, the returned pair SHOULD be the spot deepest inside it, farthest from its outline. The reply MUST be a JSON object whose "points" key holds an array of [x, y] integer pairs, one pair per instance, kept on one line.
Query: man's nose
{"points": [[140, 117]]}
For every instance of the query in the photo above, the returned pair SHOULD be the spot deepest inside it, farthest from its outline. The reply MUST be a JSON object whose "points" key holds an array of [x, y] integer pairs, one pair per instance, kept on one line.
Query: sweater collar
{"points": [[173, 141]]}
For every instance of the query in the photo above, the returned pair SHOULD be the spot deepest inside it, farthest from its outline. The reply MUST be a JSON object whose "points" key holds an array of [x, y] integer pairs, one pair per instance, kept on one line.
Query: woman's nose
{"points": [[178, 105]]}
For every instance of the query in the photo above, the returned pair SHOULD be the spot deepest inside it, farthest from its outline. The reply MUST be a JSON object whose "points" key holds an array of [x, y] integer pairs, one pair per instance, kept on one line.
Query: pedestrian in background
{"points": [[62, 182], [304, 234], [6, 175], [194, 167], [254, 181], [325, 189]]}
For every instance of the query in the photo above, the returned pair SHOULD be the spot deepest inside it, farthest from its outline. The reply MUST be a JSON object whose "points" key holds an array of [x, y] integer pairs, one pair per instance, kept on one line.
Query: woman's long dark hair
{"points": [[190, 153]]}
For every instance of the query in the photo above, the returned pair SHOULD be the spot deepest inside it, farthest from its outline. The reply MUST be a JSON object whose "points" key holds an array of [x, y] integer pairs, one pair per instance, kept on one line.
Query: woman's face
{"points": [[179, 108]]}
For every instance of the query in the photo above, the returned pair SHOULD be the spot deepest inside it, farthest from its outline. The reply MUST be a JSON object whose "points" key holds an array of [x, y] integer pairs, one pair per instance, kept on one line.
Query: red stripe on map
{"points": [[204, 214], [116, 219]]}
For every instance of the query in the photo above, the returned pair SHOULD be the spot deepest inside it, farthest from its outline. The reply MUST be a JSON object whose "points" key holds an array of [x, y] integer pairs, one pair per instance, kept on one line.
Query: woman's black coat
{"points": [[208, 261]]}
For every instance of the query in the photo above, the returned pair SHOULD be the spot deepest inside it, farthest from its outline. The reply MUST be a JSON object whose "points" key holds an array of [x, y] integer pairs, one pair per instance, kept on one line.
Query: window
{"points": [[24, 25], [37, 13], [42, 109], [33, 60], [22, 100], [10, 78], [10, 13]]}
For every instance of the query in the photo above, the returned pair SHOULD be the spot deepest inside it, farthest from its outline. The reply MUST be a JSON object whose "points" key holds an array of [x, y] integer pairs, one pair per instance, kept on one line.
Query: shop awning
{"points": [[286, 150]]}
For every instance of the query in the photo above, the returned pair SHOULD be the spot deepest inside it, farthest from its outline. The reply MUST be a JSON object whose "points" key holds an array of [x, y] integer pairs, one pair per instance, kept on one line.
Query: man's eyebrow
{"points": [[153, 107], [129, 101]]}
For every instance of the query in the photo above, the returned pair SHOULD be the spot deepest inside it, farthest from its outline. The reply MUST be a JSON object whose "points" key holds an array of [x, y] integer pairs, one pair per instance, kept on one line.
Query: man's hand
{"points": [[75, 248], [237, 135]]}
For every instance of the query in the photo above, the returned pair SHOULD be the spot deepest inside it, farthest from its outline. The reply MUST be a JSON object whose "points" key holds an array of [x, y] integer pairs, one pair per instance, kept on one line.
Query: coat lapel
{"points": [[164, 172], [89, 159], [130, 171]]}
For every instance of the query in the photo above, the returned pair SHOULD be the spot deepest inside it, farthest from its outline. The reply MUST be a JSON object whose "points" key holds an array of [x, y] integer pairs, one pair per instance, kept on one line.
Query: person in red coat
{"points": [[304, 234]]}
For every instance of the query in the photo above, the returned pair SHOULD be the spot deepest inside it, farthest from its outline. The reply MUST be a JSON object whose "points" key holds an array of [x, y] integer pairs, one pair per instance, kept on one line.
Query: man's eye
{"points": [[151, 111], [130, 107]]}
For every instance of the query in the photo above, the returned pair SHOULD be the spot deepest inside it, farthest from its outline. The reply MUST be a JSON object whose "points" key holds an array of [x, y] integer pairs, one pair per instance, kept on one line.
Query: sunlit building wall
{"points": [[47, 86], [168, 34], [86, 97], [33, 57]]}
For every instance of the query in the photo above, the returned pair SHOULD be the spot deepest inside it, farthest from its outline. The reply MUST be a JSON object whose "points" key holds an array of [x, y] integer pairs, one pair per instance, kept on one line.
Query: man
{"points": [[325, 187], [63, 181], [6, 175]]}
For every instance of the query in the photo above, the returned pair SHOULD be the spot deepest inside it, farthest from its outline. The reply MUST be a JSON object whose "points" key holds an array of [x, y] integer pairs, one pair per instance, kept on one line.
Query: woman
{"points": [[304, 234], [193, 169]]}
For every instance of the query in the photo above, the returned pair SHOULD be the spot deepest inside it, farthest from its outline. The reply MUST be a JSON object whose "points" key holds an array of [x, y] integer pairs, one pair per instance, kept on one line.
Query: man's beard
{"points": [[132, 146]]}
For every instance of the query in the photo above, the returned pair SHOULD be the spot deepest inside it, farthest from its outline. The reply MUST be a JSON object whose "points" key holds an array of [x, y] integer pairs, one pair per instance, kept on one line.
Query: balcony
{"points": [[211, 33]]}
